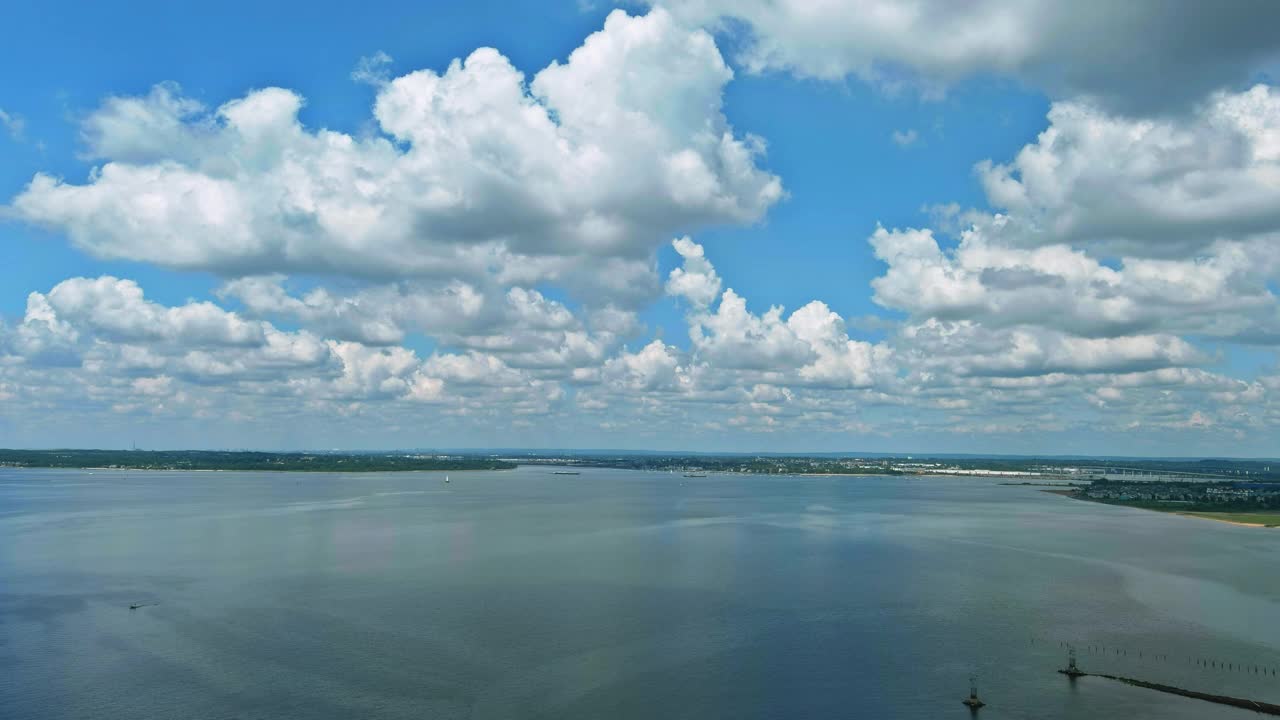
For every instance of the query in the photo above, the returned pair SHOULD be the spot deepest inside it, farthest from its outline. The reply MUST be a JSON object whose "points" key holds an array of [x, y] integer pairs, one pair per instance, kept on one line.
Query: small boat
{"points": [[695, 474], [446, 478], [566, 472]]}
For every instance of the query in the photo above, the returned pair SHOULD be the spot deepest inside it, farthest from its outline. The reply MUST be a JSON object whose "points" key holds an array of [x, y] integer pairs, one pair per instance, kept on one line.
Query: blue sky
{"points": [[486, 259]]}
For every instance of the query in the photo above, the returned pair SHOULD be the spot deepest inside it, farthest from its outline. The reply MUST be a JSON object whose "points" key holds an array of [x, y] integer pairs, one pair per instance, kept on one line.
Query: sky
{"points": [[1001, 226]]}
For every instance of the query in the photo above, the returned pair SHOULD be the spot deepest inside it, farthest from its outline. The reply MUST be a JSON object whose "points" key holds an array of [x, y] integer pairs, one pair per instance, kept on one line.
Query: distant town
{"points": [[1031, 468]]}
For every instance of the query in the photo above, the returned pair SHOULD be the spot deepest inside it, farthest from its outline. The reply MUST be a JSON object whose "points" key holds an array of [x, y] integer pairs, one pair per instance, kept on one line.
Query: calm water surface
{"points": [[612, 594]]}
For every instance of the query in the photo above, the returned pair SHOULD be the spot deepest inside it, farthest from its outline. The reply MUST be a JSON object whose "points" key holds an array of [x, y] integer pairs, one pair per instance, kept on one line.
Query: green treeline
{"points": [[236, 460]]}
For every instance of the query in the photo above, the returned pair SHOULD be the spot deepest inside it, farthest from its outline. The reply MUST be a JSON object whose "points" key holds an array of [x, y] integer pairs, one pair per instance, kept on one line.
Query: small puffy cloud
{"points": [[376, 315], [655, 367], [839, 362], [810, 347], [1197, 420], [1154, 187], [14, 124], [904, 138], [472, 368], [967, 348], [919, 276], [369, 372], [151, 128], [530, 310], [522, 326], [107, 327], [42, 337], [373, 69], [1223, 293], [696, 280], [115, 308], [733, 337], [160, 385], [614, 321]]}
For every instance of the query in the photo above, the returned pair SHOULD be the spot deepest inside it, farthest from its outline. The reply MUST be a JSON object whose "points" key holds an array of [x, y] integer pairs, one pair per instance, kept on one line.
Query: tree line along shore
{"points": [[246, 460], [1255, 504]]}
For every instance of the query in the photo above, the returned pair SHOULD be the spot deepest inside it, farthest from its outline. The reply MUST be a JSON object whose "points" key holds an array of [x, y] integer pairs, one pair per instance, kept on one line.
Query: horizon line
{"points": [[618, 451]]}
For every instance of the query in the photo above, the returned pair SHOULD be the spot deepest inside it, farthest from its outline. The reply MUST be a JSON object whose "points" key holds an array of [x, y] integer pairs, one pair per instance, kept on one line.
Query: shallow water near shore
{"points": [[613, 594]]}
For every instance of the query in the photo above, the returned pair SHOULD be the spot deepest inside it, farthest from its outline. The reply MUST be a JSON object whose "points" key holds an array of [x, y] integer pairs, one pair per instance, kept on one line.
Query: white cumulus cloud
{"points": [[475, 171], [1131, 52]]}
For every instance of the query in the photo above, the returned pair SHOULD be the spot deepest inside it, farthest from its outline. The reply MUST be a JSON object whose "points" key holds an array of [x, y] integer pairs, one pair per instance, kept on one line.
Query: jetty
{"points": [[1254, 705]]}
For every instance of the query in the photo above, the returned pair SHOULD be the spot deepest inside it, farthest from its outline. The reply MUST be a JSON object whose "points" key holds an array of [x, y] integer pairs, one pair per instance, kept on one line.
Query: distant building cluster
{"points": [[983, 472]]}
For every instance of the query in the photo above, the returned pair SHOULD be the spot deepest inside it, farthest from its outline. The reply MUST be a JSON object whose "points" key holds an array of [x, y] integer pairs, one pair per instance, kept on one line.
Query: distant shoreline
{"points": [[245, 461], [302, 471], [1222, 517]]}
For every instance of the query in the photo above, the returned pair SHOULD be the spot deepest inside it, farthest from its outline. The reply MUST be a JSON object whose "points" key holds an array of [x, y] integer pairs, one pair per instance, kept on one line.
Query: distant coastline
{"points": [[216, 460], [1242, 518]]}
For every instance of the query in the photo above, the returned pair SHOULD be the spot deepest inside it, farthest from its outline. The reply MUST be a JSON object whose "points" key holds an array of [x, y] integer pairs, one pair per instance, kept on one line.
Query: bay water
{"points": [[614, 594]]}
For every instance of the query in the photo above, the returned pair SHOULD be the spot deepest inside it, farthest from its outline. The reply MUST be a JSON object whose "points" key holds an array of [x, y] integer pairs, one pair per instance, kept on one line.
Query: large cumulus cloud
{"points": [[1137, 57], [473, 171]]}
